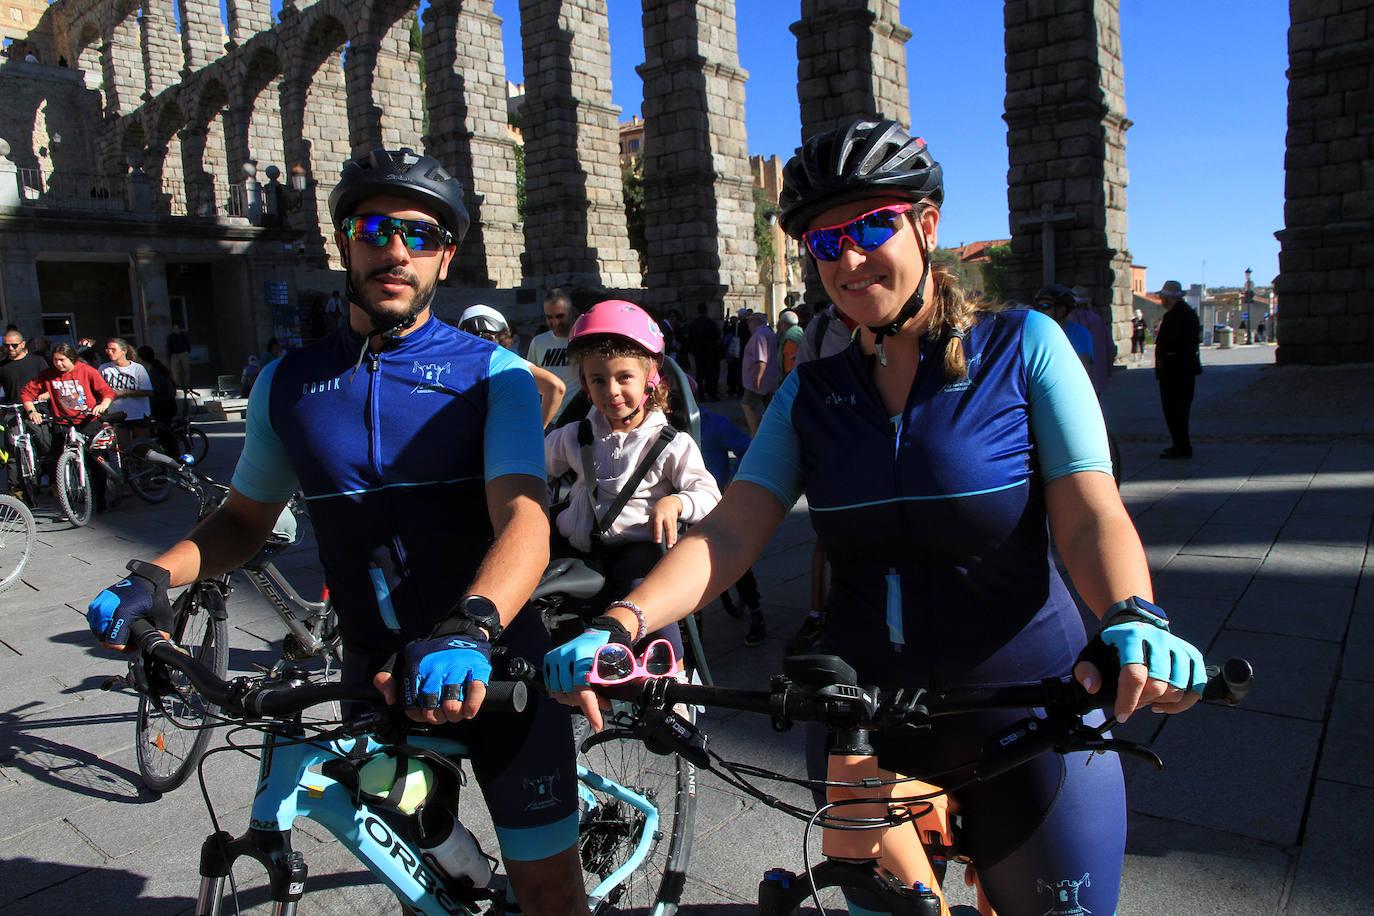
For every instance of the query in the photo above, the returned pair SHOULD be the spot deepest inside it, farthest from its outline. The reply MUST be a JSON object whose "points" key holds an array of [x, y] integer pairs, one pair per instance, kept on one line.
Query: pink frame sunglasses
{"points": [[868, 231], [617, 664]]}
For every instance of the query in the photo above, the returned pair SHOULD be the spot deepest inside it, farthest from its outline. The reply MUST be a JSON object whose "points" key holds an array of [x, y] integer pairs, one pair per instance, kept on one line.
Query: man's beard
{"points": [[385, 319]]}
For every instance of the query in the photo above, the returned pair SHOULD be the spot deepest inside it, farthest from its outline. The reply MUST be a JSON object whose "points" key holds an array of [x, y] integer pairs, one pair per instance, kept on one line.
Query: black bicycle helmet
{"points": [[1056, 294], [401, 173], [863, 158]]}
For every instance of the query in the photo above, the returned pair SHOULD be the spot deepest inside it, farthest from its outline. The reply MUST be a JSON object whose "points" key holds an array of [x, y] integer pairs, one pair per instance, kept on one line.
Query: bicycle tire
{"points": [[148, 481], [170, 743], [75, 499], [611, 828], [17, 534], [194, 442]]}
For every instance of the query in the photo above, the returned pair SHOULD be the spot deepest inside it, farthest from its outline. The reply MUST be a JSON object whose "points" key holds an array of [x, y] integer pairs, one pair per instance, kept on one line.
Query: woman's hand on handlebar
{"points": [[1135, 689], [566, 668], [1157, 668]]}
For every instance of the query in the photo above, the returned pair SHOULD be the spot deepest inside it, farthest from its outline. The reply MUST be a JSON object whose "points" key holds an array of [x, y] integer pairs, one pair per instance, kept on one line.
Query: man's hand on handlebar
{"points": [[143, 594], [443, 677]]}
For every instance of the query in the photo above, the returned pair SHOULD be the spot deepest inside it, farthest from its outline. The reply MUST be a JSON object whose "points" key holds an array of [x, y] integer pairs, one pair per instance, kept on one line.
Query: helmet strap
{"points": [[910, 310], [393, 330]]}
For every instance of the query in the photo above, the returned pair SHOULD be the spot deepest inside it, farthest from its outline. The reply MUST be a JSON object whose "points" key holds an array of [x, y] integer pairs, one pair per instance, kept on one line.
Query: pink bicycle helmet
{"points": [[622, 319]]}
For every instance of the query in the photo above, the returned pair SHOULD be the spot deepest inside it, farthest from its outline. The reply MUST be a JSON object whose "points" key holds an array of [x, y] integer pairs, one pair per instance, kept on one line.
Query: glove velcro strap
{"points": [[614, 627], [155, 574], [459, 625], [1129, 616]]}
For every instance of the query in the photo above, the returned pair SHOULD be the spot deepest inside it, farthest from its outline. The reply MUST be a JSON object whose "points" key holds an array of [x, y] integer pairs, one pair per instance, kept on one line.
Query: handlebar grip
{"points": [[1229, 683], [506, 696]]}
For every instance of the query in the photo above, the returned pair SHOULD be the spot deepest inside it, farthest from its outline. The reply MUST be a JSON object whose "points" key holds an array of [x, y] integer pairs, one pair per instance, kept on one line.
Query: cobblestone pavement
{"points": [[1259, 547]]}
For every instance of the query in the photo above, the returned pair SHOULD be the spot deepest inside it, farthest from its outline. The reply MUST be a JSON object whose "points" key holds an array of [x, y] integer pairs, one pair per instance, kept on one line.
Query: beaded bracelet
{"points": [[640, 625]]}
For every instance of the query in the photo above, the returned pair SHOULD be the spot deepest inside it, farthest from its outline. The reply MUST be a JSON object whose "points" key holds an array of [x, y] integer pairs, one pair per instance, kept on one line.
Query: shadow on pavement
{"points": [[24, 749]]}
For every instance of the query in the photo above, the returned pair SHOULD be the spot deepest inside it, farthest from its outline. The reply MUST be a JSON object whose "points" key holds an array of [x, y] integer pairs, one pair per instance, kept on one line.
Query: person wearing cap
{"points": [[419, 451], [1178, 363], [489, 324], [1104, 348]]}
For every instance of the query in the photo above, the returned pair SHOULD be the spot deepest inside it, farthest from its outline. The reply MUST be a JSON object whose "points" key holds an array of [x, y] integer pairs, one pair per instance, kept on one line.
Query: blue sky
{"points": [[1205, 87]]}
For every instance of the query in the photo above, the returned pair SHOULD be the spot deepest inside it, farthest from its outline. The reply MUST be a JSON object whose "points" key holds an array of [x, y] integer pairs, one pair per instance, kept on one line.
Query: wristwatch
{"points": [[481, 611], [1138, 609]]}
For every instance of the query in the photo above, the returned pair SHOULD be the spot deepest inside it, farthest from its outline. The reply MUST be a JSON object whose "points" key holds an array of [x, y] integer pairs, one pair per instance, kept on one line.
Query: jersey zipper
{"points": [[380, 586]]}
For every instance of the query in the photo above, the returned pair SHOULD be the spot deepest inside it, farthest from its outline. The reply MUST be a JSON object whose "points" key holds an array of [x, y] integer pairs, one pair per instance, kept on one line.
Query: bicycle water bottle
{"points": [[453, 850], [444, 843]]}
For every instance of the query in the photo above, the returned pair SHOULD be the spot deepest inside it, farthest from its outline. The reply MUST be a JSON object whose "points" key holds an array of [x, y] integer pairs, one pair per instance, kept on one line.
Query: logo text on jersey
{"points": [[329, 384], [841, 400]]}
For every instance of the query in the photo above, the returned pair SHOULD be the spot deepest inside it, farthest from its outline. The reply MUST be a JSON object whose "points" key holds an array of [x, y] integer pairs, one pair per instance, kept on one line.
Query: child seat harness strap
{"points": [[584, 439]]}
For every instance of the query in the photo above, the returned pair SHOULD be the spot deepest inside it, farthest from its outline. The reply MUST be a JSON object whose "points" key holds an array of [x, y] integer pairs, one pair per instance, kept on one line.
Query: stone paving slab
{"points": [[1333, 874], [1348, 750], [1315, 564], [1233, 770], [1293, 676], [1229, 540], [1358, 663], [1223, 578], [1295, 609], [1327, 530]]}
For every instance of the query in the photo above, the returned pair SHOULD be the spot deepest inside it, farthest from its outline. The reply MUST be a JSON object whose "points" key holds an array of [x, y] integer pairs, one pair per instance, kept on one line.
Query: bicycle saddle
{"points": [[569, 576], [819, 670]]}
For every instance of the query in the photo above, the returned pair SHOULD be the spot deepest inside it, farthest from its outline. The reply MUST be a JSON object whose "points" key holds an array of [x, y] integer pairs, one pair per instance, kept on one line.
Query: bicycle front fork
{"points": [[286, 869]]}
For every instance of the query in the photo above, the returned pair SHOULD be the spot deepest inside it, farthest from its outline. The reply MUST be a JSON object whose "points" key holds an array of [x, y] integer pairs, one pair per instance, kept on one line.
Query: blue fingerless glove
{"points": [[1138, 634], [142, 594], [441, 667], [566, 667]]}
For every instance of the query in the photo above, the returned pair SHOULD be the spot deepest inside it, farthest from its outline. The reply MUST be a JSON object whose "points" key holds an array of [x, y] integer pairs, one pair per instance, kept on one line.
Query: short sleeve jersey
{"points": [[393, 454], [934, 520]]}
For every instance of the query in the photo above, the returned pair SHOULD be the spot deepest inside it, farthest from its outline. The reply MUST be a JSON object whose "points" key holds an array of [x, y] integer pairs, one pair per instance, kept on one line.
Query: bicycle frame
{"points": [[291, 786], [295, 611]]}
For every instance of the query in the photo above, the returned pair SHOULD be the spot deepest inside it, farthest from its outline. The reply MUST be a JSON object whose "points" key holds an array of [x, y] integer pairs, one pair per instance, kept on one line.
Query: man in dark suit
{"points": [[1177, 366]]}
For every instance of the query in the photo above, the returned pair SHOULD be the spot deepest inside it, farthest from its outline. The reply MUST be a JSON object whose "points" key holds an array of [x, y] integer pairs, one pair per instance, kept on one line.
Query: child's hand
{"points": [[664, 518]]}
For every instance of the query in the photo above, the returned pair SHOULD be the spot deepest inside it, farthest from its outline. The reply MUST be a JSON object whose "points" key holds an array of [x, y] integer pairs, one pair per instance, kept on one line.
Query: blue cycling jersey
{"points": [[934, 521], [393, 456]]}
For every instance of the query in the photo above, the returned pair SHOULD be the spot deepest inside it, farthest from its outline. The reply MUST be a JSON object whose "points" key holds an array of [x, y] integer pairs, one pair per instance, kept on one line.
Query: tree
{"points": [[764, 207], [632, 181], [995, 273]]}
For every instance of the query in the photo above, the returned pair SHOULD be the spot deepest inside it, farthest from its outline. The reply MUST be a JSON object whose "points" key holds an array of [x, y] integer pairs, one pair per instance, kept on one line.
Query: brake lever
{"points": [[1093, 739]]}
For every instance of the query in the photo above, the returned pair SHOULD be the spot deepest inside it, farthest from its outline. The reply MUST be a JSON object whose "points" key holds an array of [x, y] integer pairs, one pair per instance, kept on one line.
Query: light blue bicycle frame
{"points": [[291, 786]]}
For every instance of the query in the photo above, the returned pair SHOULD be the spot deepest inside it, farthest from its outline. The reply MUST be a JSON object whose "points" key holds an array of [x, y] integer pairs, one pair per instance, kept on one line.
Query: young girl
{"points": [[618, 351]]}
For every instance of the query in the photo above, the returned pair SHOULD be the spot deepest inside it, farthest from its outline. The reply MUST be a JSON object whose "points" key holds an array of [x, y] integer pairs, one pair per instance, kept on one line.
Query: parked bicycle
{"points": [[72, 478], [172, 736], [325, 771], [17, 436], [824, 689], [17, 535]]}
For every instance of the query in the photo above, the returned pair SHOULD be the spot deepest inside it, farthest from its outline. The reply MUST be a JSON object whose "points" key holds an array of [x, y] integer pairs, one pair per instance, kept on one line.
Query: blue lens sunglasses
{"points": [[869, 232], [377, 230]]}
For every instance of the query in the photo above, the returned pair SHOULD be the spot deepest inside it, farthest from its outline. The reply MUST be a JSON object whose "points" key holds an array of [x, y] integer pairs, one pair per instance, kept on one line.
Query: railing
{"points": [[238, 201], [70, 191]]}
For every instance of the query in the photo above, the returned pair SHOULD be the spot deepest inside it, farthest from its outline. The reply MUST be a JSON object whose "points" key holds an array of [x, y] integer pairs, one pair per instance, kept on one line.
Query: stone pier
{"points": [[1066, 136], [575, 231], [698, 193], [1326, 261]]}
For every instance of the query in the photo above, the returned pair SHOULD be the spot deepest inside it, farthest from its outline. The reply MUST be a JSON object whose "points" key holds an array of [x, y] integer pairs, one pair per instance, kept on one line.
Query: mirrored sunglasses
{"points": [[869, 232], [418, 234], [616, 664]]}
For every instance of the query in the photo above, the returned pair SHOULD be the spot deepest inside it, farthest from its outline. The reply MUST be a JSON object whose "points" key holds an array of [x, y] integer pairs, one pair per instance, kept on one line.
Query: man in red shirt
{"points": [[74, 390]]}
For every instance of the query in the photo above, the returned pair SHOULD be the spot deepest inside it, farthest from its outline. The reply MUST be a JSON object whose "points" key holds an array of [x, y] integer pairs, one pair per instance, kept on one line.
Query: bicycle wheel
{"points": [[194, 442], [612, 828], [17, 533], [170, 738], [148, 481], [73, 488]]}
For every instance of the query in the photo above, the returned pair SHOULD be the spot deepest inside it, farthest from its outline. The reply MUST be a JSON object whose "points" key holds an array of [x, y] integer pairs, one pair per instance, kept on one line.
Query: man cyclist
{"points": [[418, 448]]}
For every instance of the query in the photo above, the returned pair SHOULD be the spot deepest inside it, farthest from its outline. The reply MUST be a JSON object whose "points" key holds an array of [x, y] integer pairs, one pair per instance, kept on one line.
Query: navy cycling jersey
{"points": [[393, 456], [934, 521]]}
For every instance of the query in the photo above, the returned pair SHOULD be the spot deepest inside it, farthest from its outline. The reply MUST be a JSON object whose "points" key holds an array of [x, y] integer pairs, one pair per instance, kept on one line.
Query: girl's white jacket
{"points": [[679, 471]]}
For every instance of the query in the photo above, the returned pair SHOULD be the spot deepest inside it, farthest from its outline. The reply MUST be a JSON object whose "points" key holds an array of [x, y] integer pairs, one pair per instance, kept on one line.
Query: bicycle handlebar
{"points": [[244, 698]]}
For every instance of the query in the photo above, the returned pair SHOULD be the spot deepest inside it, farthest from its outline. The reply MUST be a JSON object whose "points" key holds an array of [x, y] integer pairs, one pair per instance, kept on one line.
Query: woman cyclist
{"points": [[486, 322], [939, 453]]}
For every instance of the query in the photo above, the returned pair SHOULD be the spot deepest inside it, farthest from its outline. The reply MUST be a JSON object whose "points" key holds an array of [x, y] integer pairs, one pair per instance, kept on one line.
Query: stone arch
{"points": [[164, 166], [205, 154], [261, 103], [121, 59], [399, 98], [315, 116], [86, 56]]}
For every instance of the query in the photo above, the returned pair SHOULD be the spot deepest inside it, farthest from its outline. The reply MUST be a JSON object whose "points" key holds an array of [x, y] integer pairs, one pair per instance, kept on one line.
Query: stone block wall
{"points": [[1326, 259], [575, 231], [1066, 139], [201, 34], [161, 53], [121, 59], [247, 17], [698, 192], [851, 60], [466, 93]]}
